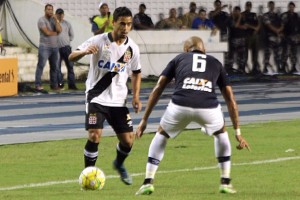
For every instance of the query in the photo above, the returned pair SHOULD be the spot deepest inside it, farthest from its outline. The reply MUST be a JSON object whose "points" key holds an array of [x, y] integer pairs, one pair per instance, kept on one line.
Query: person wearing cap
{"points": [[252, 30], [64, 40], [291, 29], [49, 27], [104, 22], [141, 21], [189, 17]]}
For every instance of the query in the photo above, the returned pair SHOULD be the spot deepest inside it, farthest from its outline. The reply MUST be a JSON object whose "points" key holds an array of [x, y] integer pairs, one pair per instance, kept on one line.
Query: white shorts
{"points": [[176, 118]]}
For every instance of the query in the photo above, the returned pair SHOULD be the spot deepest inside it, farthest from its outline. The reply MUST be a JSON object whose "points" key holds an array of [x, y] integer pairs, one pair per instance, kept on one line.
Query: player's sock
{"points": [[90, 153], [155, 155], [223, 152], [122, 153]]}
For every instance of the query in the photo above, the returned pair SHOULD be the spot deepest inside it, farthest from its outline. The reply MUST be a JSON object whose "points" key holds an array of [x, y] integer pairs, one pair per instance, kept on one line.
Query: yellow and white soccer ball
{"points": [[92, 178]]}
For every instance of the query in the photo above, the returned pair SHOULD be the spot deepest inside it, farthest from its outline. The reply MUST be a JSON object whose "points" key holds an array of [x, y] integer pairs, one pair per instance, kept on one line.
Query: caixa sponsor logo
{"points": [[110, 66]]}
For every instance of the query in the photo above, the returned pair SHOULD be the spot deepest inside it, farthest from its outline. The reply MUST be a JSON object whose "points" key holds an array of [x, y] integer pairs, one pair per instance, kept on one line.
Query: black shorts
{"points": [[118, 117]]}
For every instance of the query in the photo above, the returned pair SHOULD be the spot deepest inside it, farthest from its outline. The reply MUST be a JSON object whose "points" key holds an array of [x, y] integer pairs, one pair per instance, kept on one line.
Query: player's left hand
{"points": [[137, 105], [242, 143]]}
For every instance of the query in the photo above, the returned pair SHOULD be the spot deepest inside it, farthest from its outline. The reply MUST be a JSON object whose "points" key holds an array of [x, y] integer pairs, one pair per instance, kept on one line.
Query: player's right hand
{"points": [[92, 49], [242, 143], [141, 128]]}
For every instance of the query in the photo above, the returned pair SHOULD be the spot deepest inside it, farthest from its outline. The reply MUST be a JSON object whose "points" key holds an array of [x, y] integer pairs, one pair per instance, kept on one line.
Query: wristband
{"points": [[237, 131]]}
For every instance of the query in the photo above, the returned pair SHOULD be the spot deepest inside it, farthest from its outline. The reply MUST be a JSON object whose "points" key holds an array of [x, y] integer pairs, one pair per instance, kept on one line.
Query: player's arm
{"points": [[57, 24], [78, 54], [234, 115], [136, 78], [152, 101], [48, 32]]}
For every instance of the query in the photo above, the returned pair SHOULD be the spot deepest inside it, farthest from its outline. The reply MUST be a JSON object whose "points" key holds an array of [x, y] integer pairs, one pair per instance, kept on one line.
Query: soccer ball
{"points": [[92, 178]]}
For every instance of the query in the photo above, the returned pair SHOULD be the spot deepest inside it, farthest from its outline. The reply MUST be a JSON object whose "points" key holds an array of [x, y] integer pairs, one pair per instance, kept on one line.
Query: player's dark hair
{"points": [[292, 4], [48, 5], [121, 12]]}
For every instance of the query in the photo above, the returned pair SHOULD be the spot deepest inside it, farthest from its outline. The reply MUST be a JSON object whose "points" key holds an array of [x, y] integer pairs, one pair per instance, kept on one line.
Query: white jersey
{"points": [[110, 69]]}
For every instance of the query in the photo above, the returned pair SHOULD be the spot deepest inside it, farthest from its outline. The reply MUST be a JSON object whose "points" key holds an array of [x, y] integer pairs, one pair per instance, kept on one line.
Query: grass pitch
{"points": [[50, 170]]}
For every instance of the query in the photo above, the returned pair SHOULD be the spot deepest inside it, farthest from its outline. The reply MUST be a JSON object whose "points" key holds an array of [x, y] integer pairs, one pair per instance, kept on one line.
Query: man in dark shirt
{"points": [[273, 37], [290, 21], [142, 21], [252, 38], [237, 41], [197, 76], [220, 19]]}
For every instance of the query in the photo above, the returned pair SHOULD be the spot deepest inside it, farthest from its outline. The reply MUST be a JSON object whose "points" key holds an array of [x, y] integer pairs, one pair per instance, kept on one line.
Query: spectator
{"points": [[1, 44], [220, 19], [64, 39], [172, 22], [180, 14], [102, 23], [49, 27], [273, 37], [290, 20], [202, 23], [142, 21], [237, 41], [160, 20], [252, 37], [190, 16]]}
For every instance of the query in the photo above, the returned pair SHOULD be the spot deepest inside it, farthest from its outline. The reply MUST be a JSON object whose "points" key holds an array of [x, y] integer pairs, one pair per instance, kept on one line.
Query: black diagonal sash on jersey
{"points": [[102, 84]]}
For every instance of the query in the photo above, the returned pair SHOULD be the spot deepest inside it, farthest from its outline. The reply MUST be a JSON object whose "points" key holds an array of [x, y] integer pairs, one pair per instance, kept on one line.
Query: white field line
{"points": [[32, 185]]}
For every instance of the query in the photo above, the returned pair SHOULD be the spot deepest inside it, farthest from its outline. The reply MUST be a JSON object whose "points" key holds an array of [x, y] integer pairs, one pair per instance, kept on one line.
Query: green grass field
{"points": [[49, 170]]}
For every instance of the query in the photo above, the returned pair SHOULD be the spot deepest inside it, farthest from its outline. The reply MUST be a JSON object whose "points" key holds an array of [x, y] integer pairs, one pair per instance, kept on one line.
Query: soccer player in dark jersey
{"points": [[114, 56], [196, 77]]}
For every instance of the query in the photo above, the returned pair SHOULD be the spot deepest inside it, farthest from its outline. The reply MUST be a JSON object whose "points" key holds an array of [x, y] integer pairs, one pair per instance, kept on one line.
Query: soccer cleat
{"points": [[227, 189], [125, 177], [145, 190]]}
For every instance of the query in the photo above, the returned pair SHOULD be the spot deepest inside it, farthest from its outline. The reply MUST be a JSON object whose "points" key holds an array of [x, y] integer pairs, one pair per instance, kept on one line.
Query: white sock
{"points": [[155, 154], [223, 153]]}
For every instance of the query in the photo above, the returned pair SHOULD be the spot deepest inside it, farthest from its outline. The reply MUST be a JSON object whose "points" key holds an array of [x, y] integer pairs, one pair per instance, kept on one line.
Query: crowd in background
{"points": [[243, 29]]}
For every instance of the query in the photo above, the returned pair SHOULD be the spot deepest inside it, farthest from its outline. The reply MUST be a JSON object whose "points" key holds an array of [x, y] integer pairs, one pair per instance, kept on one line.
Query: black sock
{"points": [[90, 153], [225, 181], [148, 181], [122, 153]]}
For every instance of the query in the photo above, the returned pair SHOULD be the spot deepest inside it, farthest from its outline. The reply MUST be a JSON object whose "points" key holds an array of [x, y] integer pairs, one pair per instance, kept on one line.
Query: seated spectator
{"points": [[172, 22], [102, 23], [190, 16], [142, 21], [203, 23]]}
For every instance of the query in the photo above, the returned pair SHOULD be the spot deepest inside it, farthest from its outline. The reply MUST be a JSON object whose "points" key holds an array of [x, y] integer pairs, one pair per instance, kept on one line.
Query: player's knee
{"points": [[94, 135]]}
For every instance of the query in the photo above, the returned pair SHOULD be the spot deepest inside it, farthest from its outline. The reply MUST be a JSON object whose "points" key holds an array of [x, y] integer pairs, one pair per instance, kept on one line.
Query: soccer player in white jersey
{"points": [[114, 56], [196, 77]]}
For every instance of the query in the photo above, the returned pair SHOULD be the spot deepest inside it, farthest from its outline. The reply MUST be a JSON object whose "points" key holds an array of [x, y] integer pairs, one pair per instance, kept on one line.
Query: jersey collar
{"points": [[109, 35]]}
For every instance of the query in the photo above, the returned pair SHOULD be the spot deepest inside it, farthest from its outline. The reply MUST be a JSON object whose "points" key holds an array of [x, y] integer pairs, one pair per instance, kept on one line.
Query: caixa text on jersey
{"points": [[197, 84], [111, 66]]}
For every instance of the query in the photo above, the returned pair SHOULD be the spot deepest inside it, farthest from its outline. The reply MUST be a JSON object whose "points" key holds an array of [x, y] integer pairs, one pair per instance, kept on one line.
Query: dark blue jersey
{"points": [[196, 77]]}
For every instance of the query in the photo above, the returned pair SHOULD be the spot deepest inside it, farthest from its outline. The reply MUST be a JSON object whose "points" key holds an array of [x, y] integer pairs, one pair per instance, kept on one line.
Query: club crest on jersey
{"points": [[110, 66], [92, 118], [200, 84], [127, 56]]}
